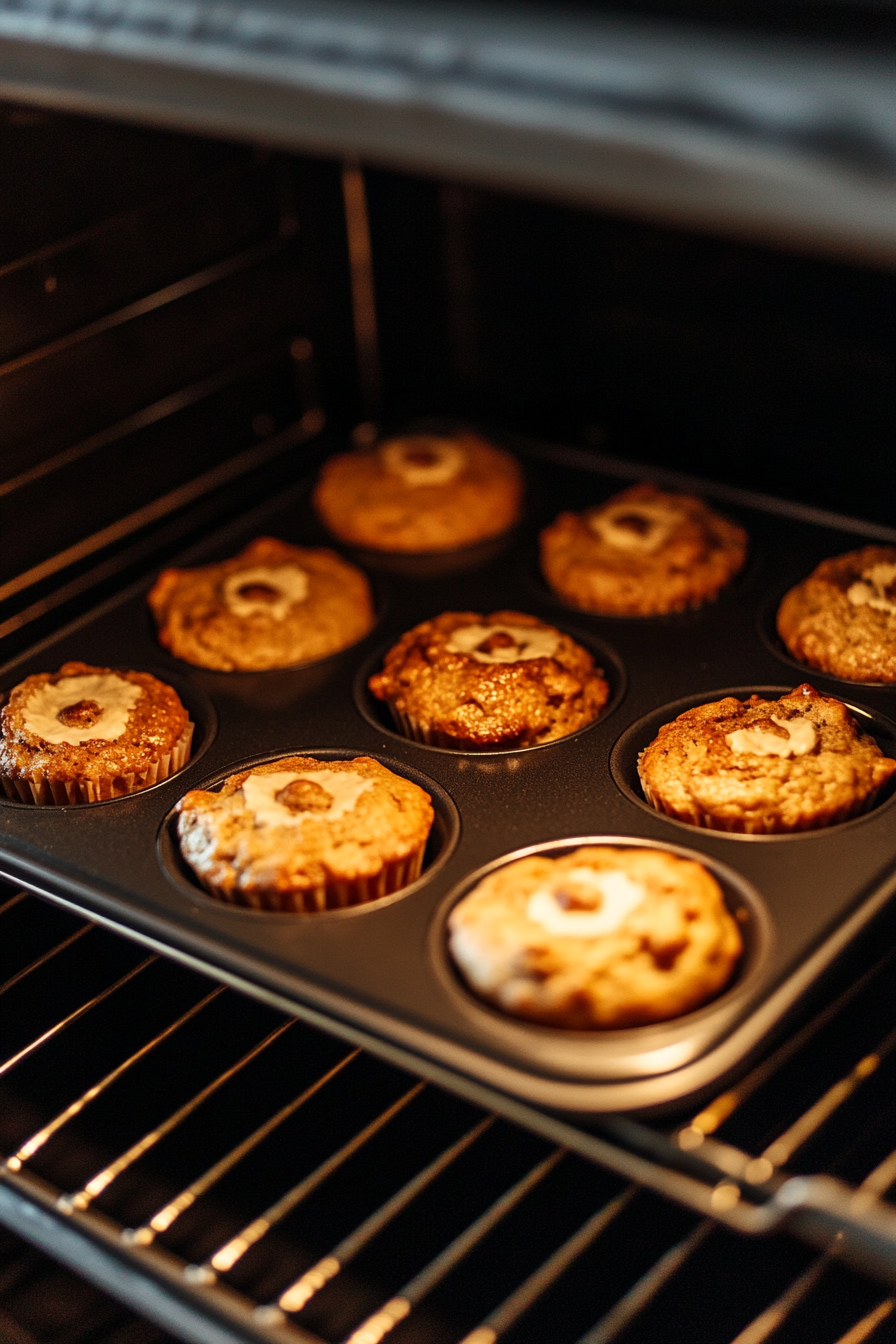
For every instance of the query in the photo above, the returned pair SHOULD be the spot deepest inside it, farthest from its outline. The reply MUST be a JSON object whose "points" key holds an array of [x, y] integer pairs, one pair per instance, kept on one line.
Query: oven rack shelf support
{"points": [[778, 139], [721, 1183]]}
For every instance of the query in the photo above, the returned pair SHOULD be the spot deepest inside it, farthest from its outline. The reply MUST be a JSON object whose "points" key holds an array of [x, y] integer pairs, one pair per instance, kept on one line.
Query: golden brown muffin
{"points": [[478, 683], [304, 835], [420, 493], [604, 937], [273, 605], [762, 767], [842, 618], [86, 734], [643, 553]]}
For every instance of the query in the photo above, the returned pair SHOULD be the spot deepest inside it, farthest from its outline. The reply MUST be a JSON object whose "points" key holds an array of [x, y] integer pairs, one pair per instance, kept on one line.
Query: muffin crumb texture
{"points": [[420, 493], [642, 553], [303, 835], [87, 734], [605, 937], [762, 767], [273, 605], [842, 618], [480, 683]]}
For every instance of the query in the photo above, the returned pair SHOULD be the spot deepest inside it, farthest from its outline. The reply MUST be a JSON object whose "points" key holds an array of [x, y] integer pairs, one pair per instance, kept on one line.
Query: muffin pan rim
{"points": [[444, 807], [717, 1016], [363, 697], [622, 745]]}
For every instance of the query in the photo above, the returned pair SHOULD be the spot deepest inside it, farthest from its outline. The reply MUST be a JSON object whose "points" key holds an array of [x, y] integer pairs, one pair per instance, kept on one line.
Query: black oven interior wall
{"points": [[734, 360], [168, 302]]}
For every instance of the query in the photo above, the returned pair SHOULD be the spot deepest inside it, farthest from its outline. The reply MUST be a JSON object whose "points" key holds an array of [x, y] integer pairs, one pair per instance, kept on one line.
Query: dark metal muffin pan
{"points": [[380, 974]]}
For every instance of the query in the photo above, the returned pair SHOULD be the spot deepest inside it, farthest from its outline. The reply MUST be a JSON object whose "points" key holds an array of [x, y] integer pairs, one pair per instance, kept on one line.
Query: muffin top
{"points": [[604, 937], [420, 493], [273, 605], [86, 722], [298, 822], [842, 618], [503, 680], [764, 766], [642, 553]]}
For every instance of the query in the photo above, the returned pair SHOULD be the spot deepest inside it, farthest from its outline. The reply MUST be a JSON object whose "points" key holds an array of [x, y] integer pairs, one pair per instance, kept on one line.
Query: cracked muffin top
{"points": [[605, 937], [273, 605], [764, 766], [477, 682], [643, 553], [420, 493], [842, 618]]}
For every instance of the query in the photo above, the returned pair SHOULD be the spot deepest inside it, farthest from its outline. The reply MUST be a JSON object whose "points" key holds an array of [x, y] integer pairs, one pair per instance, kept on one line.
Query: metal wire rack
{"points": [[236, 1174]]}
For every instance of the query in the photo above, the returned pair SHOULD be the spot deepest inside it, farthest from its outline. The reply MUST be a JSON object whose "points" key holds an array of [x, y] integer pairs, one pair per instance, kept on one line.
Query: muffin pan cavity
{"points": [[625, 754], [378, 714], [634, 1052], [379, 973], [442, 838], [198, 705], [767, 626]]}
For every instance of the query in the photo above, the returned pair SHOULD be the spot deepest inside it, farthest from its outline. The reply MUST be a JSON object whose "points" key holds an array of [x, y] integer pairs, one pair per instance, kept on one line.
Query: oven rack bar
{"points": [[789, 140], [161, 1280]]}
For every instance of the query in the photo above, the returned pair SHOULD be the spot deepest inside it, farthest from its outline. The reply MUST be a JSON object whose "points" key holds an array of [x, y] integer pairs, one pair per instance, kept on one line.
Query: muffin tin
{"points": [[379, 973]]}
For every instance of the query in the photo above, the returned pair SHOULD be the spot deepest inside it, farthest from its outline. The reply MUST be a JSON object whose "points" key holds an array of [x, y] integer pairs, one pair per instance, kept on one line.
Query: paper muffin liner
{"points": [[754, 825], [42, 790], [411, 727], [333, 895]]}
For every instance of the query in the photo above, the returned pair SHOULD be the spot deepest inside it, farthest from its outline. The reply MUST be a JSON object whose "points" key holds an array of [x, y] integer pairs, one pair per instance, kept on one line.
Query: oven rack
{"points": [[408, 1209], [745, 132]]}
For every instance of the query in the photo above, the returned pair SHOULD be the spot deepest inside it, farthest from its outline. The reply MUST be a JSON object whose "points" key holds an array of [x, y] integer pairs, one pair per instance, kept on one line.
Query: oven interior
{"points": [[186, 325]]}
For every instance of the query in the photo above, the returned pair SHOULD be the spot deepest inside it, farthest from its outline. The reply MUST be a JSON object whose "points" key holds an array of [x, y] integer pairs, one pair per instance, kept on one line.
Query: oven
{"points": [[635, 244]]}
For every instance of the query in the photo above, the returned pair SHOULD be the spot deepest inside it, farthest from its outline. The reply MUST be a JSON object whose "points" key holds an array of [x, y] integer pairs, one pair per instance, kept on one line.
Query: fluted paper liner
{"points": [[333, 895], [752, 825], [44, 791]]}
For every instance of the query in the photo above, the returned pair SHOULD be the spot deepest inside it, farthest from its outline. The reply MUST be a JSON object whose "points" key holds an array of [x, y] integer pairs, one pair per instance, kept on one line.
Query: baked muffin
{"points": [[86, 734], [842, 618], [420, 493], [604, 937], [273, 605], [763, 767], [643, 553], [478, 683], [304, 835]]}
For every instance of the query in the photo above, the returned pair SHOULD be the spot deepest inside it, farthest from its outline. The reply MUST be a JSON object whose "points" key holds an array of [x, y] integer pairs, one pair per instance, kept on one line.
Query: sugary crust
{"points": [[690, 772], [155, 742], [196, 624], [701, 554], [371, 851], [672, 953], [449, 699], [365, 504], [821, 627]]}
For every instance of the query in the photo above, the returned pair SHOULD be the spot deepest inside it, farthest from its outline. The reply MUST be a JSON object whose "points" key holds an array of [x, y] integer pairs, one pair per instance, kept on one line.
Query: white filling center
{"points": [[615, 892], [343, 786], [288, 585], [801, 738], [423, 459], [640, 527], [527, 641], [115, 697], [872, 589]]}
